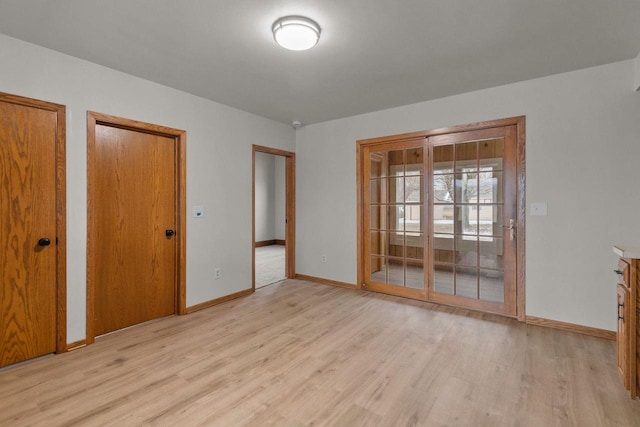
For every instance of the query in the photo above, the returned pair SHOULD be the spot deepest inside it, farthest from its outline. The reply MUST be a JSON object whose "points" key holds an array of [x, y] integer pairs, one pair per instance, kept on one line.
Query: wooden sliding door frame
{"points": [[180, 137], [61, 209], [290, 210], [519, 123]]}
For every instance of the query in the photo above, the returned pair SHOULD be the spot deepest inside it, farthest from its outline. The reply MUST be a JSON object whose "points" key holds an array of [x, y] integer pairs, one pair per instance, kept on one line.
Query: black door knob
{"points": [[44, 242], [169, 233]]}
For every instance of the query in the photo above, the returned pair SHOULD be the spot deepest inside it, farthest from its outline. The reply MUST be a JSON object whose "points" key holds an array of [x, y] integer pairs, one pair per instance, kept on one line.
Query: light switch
{"points": [[539, 209], [198, 211]]}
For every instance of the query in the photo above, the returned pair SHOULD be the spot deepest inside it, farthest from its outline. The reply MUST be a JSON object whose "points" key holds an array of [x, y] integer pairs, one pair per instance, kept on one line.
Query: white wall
{"points": [[582, 142], [270, 196], [219, 140], [280, 196], [265, 194], [582, 153]]}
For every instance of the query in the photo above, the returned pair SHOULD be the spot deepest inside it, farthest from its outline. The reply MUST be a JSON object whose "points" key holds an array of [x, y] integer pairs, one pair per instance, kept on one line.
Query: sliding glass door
{"points": [[439, 218]]}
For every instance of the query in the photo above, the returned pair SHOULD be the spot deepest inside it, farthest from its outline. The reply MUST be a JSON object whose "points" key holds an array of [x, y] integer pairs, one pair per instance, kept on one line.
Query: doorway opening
{"points": [[273, 216]]}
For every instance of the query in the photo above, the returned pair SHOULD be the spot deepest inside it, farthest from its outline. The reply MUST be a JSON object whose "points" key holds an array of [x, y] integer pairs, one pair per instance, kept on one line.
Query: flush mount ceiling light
{"points": [[296, 32]]}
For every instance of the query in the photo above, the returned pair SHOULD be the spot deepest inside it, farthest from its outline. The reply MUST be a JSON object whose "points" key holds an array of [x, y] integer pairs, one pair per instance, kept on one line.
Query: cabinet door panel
{"points": [[622, 340], [623, 272]]}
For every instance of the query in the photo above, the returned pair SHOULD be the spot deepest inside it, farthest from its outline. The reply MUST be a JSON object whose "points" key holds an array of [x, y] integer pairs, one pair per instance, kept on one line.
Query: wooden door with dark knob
{"points": [[27, 212], [133, 214]]}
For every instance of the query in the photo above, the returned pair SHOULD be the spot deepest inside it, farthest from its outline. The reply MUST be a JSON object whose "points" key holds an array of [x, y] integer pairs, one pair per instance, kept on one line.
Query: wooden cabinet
{"points": [[628, 338]]}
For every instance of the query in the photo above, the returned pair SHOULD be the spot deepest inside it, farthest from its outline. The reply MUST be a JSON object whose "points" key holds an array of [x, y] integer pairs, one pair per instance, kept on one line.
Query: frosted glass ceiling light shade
{"points": [[296, 32]]}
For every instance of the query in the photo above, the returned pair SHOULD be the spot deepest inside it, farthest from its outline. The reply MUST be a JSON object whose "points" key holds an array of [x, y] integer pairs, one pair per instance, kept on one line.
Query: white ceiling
{"points": [[372, 54]]}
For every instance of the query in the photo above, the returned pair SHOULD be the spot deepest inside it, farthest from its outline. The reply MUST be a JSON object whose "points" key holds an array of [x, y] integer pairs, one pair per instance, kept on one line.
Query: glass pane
{"points": [[467, 219], [378, 191], [443, 159], [396, 244], [443, 188], [492, 286], [466, 156], [396, 217], [467, 282], [490, 184], [378, 269], [396, 162], [443, 219], [413, 218], [413, 248], [443, 249], [491, 153], [415, 161], [491, 164], [490, 220], [377, 164], [466, 187], [443, 280], [384, 164], [466, 251], [415, 275], [396, 190], [396, 272], [491, 254], [413, 189], [378, 242], [377, 217]]}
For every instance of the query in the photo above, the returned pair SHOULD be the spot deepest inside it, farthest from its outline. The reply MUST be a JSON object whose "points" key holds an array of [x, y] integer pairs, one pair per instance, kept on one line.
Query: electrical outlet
{"points": [[324, 258], [218, 273]]}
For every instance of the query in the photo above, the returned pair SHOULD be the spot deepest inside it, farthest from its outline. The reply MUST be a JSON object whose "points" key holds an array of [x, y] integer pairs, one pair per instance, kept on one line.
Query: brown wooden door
{"points": [[133, 204], [27, 214]]}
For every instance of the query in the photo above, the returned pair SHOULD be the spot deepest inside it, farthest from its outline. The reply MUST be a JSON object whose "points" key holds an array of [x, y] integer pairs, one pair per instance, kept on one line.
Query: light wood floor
{"points": [[270, 264], [297, 353]]}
